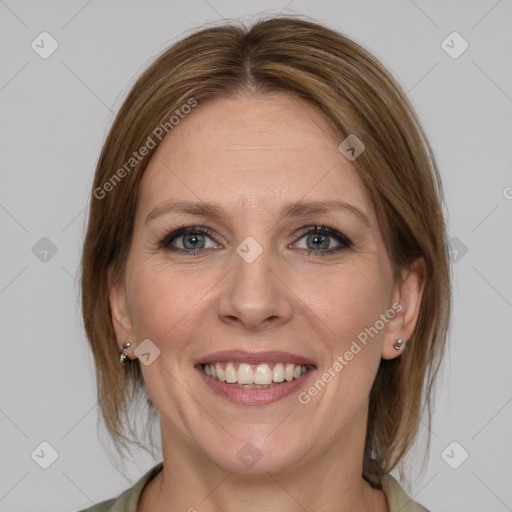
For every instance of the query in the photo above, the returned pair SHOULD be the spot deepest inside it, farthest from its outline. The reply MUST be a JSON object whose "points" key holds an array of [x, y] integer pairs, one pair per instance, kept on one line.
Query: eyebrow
{"points": [[295, 209]]}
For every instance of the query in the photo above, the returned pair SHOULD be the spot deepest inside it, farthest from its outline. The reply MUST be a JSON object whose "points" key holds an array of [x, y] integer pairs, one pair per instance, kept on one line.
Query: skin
{"points": [[252, 156]]}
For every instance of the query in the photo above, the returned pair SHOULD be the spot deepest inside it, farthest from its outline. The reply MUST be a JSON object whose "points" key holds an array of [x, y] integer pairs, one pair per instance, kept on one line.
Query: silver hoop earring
{"points": [[124, 359], [399, 344]]}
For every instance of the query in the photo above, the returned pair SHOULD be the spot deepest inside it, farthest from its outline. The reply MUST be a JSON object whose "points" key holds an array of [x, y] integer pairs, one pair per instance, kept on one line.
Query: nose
{"points": [[254, 296]]}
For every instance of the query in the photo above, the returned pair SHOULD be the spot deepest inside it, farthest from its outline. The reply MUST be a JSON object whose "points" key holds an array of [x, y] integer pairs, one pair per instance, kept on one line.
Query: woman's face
{"points": [[264, 285]]}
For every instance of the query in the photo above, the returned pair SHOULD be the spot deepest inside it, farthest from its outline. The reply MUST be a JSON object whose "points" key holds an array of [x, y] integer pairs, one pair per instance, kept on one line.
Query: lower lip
{"points": [[254, 396]]}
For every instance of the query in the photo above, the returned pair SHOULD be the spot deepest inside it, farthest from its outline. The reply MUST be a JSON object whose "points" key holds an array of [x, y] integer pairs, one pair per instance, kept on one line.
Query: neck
{"points": [[329, 481]]}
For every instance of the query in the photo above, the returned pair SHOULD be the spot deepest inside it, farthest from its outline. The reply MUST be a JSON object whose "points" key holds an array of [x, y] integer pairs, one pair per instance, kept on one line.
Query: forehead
{"points": [[258, 152]]}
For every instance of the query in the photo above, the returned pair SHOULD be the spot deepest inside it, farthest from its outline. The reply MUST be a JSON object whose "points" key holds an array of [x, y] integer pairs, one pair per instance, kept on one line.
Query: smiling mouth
{"points": [[264, 375]]}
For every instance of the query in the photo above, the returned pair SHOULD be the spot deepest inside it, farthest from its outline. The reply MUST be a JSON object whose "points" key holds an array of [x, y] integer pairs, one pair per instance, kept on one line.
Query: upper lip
{"points": [[241, 356]]}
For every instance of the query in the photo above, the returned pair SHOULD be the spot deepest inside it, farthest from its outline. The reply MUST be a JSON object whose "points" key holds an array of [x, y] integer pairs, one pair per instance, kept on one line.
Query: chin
{"points": [[258, 458]]}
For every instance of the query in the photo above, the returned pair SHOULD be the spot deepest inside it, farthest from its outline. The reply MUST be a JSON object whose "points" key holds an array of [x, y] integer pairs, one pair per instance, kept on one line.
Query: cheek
{"points": [[163, 301], [347, 301], [350, 308]]}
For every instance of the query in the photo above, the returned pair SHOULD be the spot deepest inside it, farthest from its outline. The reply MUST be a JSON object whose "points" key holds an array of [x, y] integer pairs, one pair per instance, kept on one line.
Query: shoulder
{"points": [[128, 500], [398, 499]]}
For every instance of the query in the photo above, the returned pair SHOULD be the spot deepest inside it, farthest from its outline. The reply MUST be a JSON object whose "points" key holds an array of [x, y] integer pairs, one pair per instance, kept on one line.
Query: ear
{"points": [[120, 311], [408, 293]]}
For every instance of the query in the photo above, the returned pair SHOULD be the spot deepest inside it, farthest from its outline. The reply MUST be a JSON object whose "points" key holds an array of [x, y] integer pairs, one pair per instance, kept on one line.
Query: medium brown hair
{"points": [[356, 95]]}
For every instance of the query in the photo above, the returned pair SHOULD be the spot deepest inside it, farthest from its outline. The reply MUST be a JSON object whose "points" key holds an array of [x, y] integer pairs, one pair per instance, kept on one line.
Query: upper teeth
{"points": [[254, 374]]}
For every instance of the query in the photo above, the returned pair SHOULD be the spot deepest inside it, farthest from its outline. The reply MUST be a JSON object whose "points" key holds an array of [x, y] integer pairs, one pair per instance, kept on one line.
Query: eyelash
{"points": [[165, 243]]}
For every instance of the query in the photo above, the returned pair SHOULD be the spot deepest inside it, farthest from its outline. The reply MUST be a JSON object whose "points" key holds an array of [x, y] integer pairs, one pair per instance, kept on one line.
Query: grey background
{"points": [[55, 113]]}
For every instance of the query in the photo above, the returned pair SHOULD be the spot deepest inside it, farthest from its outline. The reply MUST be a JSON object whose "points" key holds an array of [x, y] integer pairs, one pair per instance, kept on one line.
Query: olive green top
{"points": [[127, 501]]}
